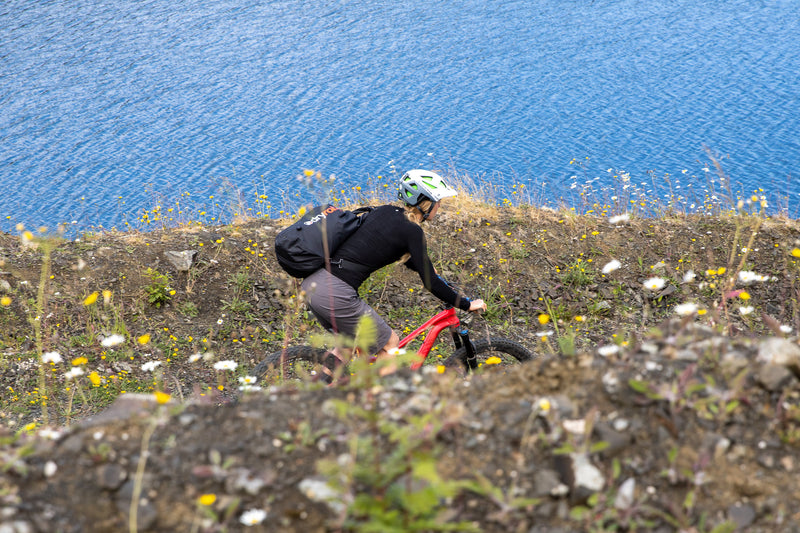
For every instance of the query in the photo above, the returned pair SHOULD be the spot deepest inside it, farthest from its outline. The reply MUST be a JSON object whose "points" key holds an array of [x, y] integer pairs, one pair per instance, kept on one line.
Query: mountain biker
{"points": [[390, 233]]}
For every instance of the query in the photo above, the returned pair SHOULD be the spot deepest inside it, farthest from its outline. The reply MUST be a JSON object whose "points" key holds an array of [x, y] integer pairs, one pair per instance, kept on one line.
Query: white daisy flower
{"points": [[50, 469], [608, 349], [545, 404], [689, 276], [654, 284], [195, 357], [785, 329], [51, 434], [747, 276], [611, 266], [112, 340], [686, 309], [620, 219], [746, 310], [225, 365], [51, 357], [253, 517], [248, 380], [74, 372], [150, 366]]}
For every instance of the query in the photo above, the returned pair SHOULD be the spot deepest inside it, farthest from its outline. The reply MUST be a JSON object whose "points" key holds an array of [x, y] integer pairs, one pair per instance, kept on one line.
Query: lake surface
{"points": [[111, 108]]}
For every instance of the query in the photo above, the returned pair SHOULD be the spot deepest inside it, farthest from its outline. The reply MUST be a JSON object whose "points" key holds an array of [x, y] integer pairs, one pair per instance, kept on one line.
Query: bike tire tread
{"points": [[290, 356], [495, 344]]}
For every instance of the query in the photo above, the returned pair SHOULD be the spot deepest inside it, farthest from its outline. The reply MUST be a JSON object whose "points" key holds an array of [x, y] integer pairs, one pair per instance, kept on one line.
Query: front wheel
{"points": [[296, 362], [507, 351]]}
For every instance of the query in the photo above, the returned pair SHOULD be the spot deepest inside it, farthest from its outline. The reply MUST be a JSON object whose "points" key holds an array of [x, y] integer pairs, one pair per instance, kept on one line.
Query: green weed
{"points": [[158, 290], [188, 309], [578, 274], [235, 306]]}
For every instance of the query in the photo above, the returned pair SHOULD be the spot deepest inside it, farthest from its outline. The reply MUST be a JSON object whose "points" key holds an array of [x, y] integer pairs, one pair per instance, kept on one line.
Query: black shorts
{"points": [[336, 306]]}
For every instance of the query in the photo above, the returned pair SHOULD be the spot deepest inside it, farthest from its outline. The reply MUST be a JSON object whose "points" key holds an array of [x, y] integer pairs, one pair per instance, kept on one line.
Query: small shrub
{"points": [[241, 281], [188, 309], [158, 291], [578, 274], [236, 306]]}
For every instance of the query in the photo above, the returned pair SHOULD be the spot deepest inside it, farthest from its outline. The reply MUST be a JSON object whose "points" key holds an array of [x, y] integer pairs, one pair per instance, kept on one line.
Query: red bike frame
{"points": [[444, 319]]}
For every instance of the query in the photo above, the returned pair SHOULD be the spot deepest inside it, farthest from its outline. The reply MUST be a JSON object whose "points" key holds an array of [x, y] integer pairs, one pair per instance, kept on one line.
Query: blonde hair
{"points": [[414, 213]]}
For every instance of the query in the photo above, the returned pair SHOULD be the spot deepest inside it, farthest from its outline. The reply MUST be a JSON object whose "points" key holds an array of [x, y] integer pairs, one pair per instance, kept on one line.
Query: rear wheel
{"points": [[298, 362], [507, 351]]}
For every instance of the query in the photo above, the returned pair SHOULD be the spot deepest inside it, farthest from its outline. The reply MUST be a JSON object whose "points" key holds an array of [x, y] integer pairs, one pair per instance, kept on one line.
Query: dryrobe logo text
{"points": [[322, 215]]}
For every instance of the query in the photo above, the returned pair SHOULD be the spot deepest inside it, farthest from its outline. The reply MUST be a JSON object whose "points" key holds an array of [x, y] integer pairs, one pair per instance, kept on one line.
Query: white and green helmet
{"points": [[417, 185]]}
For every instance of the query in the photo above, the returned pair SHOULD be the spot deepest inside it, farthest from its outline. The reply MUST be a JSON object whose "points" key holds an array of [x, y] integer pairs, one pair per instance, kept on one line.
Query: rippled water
{"points": [[108, 107]]}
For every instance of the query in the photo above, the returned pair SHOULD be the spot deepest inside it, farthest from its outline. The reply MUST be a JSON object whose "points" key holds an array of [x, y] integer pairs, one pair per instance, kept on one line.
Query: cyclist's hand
{"points": [[477, 305]]}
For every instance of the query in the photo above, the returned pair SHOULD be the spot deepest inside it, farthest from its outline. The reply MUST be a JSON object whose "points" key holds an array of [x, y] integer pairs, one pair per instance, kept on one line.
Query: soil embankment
{"points": [[636, 414]]}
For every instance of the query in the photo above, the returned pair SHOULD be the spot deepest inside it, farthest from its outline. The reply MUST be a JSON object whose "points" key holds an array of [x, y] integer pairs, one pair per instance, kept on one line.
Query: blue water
{"points": [[109, 108]]}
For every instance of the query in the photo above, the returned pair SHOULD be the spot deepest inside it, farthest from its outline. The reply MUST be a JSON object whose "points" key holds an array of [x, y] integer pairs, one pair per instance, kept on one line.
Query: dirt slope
{"points": [[682, 424]]}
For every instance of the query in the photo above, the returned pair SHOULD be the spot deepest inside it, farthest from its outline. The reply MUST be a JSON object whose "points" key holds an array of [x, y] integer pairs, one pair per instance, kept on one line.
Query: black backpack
{"points": [[301, 248]]}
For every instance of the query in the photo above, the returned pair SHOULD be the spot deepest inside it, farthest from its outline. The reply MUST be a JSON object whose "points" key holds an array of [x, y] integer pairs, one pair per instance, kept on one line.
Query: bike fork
{"points": [[461, 338]]}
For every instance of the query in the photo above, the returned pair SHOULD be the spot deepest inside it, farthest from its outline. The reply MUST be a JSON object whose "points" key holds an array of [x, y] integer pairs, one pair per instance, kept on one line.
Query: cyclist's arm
{"points": [[421, 263]]}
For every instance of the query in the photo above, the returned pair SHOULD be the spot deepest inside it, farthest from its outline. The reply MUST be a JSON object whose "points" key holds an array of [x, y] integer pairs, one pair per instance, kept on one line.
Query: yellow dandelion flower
{"points": [[79, 361], [94, 377], [106, 296], [144, 339], [5, 301], [744, 295], [795, 252], [721, 270], [162, 398], [701, 312], [207, 499], [92, 298], [494, 360], [544, 319], [440, 369], [308, 173], [544, 404]]}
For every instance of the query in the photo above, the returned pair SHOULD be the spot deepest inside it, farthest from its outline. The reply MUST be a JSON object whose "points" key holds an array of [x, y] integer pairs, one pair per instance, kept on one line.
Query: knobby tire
{"points": [[509, 352], [305, 355]]}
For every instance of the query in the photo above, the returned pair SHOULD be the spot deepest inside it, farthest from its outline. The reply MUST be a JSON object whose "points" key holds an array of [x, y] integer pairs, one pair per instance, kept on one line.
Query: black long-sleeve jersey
{"points": [[383, 238]]}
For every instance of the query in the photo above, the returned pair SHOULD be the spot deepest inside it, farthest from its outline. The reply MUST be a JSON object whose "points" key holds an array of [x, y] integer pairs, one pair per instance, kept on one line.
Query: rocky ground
{"points": [[631, 417]]}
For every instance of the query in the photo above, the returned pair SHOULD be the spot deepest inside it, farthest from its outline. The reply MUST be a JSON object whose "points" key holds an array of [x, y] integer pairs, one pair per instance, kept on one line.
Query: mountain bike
{"points": [[469, 355]]}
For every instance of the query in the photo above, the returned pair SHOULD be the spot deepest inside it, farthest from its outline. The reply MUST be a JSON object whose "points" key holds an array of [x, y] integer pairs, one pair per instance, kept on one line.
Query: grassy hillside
{"points": [[675, 308]]}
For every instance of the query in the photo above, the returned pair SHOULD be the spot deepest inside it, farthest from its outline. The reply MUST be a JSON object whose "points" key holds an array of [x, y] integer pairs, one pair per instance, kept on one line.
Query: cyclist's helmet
{"points": [[417, 185]]}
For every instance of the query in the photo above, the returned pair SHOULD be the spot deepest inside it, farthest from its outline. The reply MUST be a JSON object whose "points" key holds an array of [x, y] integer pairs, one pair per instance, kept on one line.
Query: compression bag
{"points": [[301, 248]]}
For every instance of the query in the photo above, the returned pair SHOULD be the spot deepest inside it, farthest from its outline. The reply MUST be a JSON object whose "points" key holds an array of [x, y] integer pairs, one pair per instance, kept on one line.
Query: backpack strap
{"points": [[362, 211]]}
